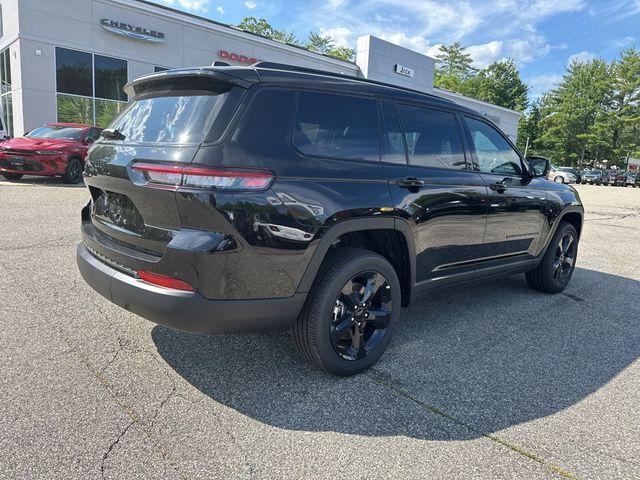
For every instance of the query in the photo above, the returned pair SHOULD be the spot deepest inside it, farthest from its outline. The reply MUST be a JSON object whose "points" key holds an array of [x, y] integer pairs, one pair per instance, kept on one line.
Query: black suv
{"points": [[238, 199]]}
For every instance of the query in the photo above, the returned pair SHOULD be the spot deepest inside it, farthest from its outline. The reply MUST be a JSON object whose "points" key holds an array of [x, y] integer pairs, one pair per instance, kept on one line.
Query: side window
{"points": [[493, 152], [392, 142], [329, 125], [432, 138]]}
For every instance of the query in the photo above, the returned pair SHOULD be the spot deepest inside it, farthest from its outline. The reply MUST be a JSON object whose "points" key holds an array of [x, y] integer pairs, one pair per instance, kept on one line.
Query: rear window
{"points": [[341, 126], [177, 110]]}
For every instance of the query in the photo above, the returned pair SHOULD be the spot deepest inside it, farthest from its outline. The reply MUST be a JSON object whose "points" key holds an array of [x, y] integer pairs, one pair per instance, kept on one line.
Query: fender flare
{"points": [[355, 225], [556, 222]]}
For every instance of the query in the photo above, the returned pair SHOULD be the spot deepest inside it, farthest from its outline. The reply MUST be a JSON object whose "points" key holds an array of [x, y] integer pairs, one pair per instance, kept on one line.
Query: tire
{"points": [[546, 277], [559, 179], [334, 349], [73, 172], [12, 176]]}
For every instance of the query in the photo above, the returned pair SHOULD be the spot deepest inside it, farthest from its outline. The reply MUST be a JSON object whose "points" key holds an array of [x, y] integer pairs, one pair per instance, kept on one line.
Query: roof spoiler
{"points": [[217, 74]]}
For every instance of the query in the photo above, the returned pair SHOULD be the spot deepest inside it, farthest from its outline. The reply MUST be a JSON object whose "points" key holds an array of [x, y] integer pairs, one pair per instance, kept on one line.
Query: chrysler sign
{"points": [[132, 31]]}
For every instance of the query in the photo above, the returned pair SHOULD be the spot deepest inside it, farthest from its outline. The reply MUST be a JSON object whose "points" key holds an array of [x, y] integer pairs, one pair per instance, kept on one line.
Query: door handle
{"points": [[500, 187], [410, 182]]}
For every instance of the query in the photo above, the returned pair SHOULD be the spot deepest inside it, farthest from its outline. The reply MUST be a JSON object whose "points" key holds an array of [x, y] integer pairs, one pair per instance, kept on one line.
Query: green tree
{"points": [[530, 129], [326, 45], [571, 112], [319, 43], [500, 84], [260, 26]]}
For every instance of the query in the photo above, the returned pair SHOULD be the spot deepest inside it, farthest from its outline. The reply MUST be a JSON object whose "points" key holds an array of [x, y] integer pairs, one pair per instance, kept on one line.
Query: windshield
{"points": [[173, 119], [56, 131]]}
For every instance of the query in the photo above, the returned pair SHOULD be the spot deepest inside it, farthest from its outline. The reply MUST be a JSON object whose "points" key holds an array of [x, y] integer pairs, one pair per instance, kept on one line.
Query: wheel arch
{"points": [[372, 234]]}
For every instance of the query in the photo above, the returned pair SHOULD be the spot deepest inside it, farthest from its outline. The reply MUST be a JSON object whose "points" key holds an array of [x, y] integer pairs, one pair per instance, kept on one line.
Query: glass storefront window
{"points": [[110, 77], [107, 110], [89, 87], [6, 98], [75, 109], [73, 72]]}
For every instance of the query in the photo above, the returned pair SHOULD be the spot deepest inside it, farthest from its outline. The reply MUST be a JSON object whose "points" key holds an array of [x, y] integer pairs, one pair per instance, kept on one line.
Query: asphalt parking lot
{"points": [[488, 381]]}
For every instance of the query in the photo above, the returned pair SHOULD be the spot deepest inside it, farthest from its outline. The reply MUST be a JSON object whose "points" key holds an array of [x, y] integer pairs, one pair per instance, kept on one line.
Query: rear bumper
{"points": [[186, 310]]}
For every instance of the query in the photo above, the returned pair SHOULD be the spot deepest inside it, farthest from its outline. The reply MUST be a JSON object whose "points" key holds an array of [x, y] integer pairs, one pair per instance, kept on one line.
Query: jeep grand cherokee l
{"points": [[237, 199], [54, 149]]}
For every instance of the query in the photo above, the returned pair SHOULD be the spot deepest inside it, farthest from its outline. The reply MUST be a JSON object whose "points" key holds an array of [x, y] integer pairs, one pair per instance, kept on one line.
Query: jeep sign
{"points": [[407, 72]]}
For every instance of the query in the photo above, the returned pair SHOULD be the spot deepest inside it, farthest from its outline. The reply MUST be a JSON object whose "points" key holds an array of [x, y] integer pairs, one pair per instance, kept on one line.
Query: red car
{"points": [[54, 149]]}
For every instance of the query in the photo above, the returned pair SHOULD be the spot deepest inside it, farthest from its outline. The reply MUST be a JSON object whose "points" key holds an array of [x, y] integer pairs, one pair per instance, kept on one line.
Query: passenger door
{"points": [[433, 188], [516, 203]]}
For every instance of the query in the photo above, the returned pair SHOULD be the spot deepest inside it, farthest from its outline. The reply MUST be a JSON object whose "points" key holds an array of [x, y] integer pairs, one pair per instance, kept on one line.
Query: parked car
{"points": [[606, 177], [560, 176], [618, 178], [54, 149], [631, 179], [379, 195], [592, 177], [576, 173]]}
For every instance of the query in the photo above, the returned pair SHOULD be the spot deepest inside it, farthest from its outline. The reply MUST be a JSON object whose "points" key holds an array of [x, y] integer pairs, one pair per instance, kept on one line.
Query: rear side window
{"points": [[432, 138], [341, 126]]}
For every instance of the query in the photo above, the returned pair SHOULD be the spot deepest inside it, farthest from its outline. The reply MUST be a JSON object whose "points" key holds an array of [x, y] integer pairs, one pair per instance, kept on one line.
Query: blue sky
{"points": [[541, 35]]}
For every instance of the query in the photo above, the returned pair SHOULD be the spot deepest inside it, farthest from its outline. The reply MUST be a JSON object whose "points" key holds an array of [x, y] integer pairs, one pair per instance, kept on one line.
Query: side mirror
{"points": [[88, 141], [538, 166]]}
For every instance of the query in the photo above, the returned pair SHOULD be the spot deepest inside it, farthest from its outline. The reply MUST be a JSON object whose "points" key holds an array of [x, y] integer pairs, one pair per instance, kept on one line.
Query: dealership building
{"points": [[67, 60]]}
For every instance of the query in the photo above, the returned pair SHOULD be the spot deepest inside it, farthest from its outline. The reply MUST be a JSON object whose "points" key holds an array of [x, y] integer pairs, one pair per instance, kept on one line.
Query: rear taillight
{"points": [[165, 281], [175, 176]]}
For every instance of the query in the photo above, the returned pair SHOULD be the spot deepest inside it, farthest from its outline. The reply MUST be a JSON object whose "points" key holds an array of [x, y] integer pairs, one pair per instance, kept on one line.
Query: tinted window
{"points": [[180, 119], [493, 152], [111, 76], [329, 125], [56, 131], [392, 142], [158, 68], [432, 138], [73, 72]]}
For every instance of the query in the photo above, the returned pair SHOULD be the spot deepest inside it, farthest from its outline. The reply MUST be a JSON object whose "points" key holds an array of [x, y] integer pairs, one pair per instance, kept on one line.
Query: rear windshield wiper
{"points": [[113, 134]]}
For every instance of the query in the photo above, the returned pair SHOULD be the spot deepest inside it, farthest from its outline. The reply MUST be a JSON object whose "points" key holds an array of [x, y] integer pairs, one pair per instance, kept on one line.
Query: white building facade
{"points": [[67, 60]]}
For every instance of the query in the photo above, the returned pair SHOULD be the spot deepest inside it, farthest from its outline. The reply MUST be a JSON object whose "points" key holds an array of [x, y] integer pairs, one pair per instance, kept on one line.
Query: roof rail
{"points": [[295, 68]]}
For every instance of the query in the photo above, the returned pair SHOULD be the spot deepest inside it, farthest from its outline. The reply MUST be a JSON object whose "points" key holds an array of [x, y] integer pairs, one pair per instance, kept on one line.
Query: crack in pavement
{"points": [[113, 444], [51, 242], [490, 436]]}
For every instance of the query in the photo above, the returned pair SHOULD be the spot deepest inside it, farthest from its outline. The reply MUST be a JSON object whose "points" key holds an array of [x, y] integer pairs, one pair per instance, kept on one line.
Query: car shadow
{"points": [[491, 355], [42, 182]]}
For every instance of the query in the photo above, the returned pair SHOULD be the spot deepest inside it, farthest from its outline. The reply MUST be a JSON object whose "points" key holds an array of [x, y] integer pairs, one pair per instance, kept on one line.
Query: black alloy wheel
{"points": [[73, 172], [555, 269], [361, 315], [565, 258], [350, 313]]}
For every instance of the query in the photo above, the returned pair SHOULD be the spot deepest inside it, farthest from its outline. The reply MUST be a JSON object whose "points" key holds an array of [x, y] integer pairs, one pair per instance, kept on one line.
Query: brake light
{"points": [[165, 281], [175, 176]]}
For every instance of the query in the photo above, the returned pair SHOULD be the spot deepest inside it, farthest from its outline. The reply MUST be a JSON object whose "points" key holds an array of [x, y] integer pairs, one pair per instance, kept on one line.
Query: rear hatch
{"points": [[170, 115]]}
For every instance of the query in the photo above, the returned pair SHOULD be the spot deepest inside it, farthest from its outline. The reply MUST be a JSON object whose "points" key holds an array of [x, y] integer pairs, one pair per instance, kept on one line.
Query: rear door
{"points": [[433, 187], [516, 203]]}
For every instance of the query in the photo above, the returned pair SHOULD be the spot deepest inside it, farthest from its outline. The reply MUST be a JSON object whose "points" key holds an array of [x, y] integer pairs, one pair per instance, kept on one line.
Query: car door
{"points": [[433, 188], [516, 202]]}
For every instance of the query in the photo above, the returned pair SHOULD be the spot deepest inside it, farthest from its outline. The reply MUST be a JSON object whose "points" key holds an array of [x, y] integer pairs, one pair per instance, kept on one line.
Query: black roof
{"points": [[283, 74]]}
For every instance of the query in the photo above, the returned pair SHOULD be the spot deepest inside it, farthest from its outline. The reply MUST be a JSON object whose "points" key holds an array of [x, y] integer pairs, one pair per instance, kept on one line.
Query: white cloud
{"points": [[250, 5], [193, 5], [581, 57], [539, 84], [624, 41], [485, 54], [340, 35], [220, 10]]}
